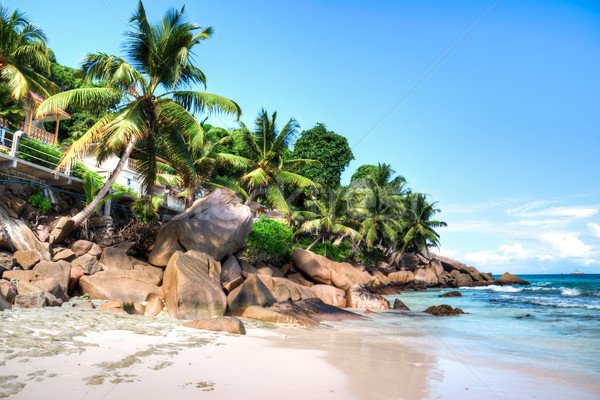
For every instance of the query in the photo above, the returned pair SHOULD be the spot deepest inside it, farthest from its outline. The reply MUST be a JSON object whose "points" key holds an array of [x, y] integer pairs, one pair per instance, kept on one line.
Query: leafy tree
{"points": [[327, 147], [146, 207], [417, 227], [329, 217], [152, 83], [266, 147], [363, 172], [24, 58], [11, 110], [379, 212]]}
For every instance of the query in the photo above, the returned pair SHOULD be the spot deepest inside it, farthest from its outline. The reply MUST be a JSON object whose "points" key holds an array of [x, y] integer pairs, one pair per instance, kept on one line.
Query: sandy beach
{"points": [[86, 354]]}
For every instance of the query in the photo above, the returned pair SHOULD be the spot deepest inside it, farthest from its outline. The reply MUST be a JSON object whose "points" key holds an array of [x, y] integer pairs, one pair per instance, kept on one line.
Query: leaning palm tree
{"points": [[24, 57], [266, 147], [152, 85], [417, 228], [329, 217]]}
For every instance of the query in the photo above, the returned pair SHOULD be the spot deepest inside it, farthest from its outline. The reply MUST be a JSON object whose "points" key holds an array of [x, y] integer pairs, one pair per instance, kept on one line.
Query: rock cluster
{"points": [[194, 272]]}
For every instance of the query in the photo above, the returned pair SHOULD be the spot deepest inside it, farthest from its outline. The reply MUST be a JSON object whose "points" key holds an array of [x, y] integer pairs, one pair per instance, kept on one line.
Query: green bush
{"points": [[39, 153], [338, 252], [38, 200], [270, 237]]}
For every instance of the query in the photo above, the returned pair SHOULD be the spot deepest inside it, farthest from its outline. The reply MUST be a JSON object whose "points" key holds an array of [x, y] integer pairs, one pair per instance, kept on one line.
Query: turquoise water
{"points": [[551, 327]]}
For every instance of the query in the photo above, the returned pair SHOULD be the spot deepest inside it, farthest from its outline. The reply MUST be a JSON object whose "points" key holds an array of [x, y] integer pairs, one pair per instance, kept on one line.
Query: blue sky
{"points": [[504, 131]]}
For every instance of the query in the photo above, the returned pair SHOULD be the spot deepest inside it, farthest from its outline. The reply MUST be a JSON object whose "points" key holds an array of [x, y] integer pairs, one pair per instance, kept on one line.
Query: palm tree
{"points": [[329, 217], [266, 147], [195, 162], [24, 58], [152, 86], [418, 233], [380, 211]]}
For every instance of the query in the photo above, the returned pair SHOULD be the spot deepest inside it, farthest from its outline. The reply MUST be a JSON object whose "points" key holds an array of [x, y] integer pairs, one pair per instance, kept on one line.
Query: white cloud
{"points": [[541, 209], [447, 253], [505, 253], [594, 228], [568, 244]]}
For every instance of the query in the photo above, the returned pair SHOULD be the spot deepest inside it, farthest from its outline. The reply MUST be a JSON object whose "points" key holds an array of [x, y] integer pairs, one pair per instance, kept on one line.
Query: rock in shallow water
{"points": [[509, 279], [359, 297], [399, 305], [454, 293], [443, 310]]}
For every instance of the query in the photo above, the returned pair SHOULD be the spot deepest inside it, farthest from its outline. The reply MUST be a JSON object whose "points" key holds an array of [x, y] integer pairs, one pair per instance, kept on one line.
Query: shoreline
{"points": [[118, 356]]}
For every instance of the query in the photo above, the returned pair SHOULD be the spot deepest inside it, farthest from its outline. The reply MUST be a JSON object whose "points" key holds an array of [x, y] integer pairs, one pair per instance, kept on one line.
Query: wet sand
{"points": [[87, 354]]}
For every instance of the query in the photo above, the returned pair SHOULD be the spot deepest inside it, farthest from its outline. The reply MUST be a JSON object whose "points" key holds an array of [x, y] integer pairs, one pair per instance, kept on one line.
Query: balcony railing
{"points": [[132, 165], [32, 131]]}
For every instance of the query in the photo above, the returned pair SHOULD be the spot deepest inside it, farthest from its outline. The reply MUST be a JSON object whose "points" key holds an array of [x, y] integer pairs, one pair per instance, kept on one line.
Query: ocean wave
{"points": [[571, 292], [493, 288]]}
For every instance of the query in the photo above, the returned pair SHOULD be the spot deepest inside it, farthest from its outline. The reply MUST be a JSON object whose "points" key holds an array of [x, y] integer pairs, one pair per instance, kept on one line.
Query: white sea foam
{"points": [[570, 291], [494, 288]]}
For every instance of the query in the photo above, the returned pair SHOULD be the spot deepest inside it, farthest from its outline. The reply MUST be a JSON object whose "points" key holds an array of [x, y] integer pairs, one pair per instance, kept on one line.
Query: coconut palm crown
{"points": [[154, 81], [24, 58], [417, 227], [266, 147]]}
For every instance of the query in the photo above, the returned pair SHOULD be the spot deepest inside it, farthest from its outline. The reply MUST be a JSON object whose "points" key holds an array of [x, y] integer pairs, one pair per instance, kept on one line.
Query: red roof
{"points": [[40, 99]]}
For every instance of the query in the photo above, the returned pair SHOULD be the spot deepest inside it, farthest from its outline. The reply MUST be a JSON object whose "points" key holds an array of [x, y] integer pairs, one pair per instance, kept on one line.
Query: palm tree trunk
{"points": [[87, 211], [313, 243], [189, 199]]}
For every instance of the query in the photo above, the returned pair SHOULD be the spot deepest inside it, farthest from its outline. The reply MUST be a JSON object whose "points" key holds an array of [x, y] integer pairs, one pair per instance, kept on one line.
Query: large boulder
{"points": [[131, 274], [509, 279], [401, 277], [8, 290], [399, 305], [448, 263], [88, 264], [426, 276], [56, 277], [16, 235], [230, 270], [359, 297], [119, 288], [26, 259], [326, 312], [192, 286], [115, 258], [81, 247], [31, 300], [4, 303], [323, 270], [219, 324], [284, 289], [216, 224], [252, 292], [330, 295]]}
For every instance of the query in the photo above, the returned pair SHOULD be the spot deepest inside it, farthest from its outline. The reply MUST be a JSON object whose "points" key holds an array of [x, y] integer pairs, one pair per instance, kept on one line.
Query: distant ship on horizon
{"points": [[576, 272]]}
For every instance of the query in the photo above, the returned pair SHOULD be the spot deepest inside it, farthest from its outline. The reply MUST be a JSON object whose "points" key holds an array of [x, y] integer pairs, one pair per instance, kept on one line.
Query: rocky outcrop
{"points": [[251, 293], [192, 286], [323, 270], [359, 297], [219, 324], [306, 312], [110, 288], [509, 279], [82, 247], [283, 289], [216, 224], [26, 259], [330, 295], [8, 290], [31, 300], [55, 277], [119, 307], [87, 263], [115, 258], [230, 270], [15, 235], [443, 310], [155, 305], [4, 303]]}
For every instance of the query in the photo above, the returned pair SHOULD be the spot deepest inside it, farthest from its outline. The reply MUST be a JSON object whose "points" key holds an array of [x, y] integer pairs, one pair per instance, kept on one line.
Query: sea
{"points": [[550, 328]]}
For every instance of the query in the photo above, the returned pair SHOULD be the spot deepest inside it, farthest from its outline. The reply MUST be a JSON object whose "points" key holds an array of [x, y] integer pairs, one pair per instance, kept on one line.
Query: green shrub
{"points": [[39, 153], [145, 208], [338, 252], [38, 200], [270, 237]]}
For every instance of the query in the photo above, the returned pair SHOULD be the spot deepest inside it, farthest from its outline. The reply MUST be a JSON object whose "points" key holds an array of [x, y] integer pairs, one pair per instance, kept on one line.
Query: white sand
{"points": [[169, 361]]}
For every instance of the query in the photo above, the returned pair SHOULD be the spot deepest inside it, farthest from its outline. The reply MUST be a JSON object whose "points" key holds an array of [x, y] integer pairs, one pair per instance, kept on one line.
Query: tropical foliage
{"points": [[154, 82]]}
